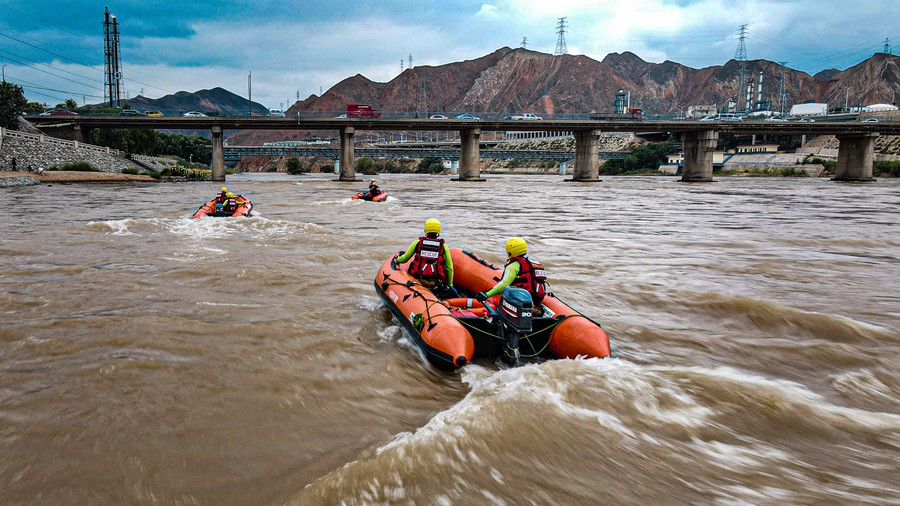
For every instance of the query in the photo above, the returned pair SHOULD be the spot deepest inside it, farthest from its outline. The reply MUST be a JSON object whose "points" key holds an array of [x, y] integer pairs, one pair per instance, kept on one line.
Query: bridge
{"points": [[453, 154], [699, 139]]}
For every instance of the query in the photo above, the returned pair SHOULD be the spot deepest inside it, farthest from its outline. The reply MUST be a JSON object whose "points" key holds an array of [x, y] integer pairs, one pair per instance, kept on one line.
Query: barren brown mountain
{"points": [[518, 80]]}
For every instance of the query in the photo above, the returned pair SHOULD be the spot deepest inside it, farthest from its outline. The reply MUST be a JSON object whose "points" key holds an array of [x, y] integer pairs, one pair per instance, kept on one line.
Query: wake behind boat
{"points": [[452, 332]]}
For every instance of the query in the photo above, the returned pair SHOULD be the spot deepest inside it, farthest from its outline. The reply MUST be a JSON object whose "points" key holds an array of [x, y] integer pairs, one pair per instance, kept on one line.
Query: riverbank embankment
{"points": [[18, 178]]}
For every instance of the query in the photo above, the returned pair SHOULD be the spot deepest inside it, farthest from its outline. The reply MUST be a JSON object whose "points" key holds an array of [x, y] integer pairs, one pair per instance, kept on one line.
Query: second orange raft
{"points": [[453, 332]]}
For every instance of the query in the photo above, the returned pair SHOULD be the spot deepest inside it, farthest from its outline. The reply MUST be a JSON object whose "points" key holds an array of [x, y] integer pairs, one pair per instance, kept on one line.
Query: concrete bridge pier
{"points": [[562, 168], [454, 167], [470, 157], [347, 162], [218, 155], [698, 155], [587, 156], [856, 154], [78, 134]]}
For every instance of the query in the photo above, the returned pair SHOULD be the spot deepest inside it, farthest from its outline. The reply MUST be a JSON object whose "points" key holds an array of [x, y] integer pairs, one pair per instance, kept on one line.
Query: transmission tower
{"points": [[561, 41], [781, 96], [741, 56], [524, 43], [112, 72], [887, 46], [410, 60]]}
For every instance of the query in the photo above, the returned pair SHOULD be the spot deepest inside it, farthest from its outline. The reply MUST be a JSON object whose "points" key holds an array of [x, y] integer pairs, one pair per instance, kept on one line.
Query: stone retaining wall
{"points": [[47, 152]]}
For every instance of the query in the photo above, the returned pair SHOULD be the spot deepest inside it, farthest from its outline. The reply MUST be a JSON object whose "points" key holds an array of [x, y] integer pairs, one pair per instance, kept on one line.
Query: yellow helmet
{"points": [[432, 226], [224, 189], [229, 195], [516, 247]]}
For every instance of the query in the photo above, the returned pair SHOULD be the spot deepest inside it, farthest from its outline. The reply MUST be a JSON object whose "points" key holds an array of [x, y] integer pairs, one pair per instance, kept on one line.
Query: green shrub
{"points": [[430, 165], [294, 166], [130, 170], [78, 166]]}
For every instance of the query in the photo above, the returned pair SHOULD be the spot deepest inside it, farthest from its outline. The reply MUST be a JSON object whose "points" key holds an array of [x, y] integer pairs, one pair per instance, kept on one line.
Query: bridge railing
{"points": [[153, 159], [44, 139]]}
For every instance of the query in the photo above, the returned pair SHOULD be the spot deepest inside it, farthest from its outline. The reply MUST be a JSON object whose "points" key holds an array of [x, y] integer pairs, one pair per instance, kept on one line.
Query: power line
{"points": [[14, 55]]}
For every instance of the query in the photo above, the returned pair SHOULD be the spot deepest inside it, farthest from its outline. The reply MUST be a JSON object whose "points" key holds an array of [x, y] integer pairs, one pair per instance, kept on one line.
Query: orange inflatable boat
{"points": [[453, 331], [381, 197], [209, 209]]}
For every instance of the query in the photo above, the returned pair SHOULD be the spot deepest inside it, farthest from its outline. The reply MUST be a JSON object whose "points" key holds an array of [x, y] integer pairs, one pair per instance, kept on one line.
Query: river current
{"points": [[147, 358]]}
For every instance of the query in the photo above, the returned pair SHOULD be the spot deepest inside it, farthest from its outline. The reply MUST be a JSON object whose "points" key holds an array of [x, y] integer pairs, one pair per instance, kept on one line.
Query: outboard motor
{"points": [[515, 320]]}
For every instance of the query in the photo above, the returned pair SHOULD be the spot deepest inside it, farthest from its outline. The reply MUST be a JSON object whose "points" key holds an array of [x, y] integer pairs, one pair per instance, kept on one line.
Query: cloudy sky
{"points": [[54, 48]]}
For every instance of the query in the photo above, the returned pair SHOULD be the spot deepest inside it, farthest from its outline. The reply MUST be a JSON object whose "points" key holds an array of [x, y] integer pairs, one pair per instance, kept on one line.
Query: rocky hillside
{"points": [[516, 80], [519, 80], [215, 101]]}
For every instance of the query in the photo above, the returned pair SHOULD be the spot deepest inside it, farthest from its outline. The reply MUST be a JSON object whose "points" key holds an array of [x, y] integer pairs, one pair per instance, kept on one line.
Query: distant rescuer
{"points": [[431, 264], [374, 190], [520, 271]]}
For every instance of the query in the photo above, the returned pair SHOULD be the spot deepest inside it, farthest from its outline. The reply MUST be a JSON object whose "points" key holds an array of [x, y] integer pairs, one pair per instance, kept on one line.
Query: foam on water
{"points": [[255, 227]]}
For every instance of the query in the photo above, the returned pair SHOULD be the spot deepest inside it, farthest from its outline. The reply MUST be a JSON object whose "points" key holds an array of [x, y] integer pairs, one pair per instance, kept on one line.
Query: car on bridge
{"points": [[154, 114], [466, 115], [131, 112], [194, 114], [437, 116], [525, 115], [62, 112]]}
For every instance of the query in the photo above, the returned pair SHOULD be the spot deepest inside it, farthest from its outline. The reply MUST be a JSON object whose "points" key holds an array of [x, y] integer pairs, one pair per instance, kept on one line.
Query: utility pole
{"points": [[561, 40], [250, 94], [741, 55]]}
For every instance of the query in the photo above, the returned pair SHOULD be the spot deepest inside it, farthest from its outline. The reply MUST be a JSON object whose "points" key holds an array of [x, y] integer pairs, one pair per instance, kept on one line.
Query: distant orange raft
{"points": [[209, 209], [452, 332]]}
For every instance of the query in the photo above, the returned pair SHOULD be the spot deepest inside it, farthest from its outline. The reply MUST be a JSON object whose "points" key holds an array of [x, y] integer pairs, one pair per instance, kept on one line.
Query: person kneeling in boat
{"points": [[231, 204], [222, 196], [374, 190], [431, 263], [519, 271]]}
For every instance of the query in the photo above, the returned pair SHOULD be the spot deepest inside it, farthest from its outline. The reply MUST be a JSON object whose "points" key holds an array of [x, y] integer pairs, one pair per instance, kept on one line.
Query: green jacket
{"points": [[448, 262], [510, 273]]}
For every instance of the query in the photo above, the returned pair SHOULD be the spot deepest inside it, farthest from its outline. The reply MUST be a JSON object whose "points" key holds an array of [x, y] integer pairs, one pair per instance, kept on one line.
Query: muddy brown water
{"points": [[146, 358]]}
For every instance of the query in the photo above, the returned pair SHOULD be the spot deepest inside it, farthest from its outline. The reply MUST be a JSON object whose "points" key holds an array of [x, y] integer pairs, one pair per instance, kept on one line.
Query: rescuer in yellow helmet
{"points": [[431, 263], [231, 204], [374, 191], [520, 271], [221, 196]]}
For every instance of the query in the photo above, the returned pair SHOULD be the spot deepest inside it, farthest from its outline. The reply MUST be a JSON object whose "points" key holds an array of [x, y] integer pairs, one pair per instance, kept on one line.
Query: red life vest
{"points": [[428, 261], [221, 198], [230, 206], [532, 277]]}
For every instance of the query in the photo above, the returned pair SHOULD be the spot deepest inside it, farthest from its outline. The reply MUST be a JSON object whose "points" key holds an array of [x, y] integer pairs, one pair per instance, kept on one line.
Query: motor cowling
{"points": [[515, 319], [516, 308]]}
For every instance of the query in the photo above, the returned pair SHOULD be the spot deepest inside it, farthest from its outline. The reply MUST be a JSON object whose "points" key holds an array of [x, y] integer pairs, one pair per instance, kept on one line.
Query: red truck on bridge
{"points": [[362, 111]]}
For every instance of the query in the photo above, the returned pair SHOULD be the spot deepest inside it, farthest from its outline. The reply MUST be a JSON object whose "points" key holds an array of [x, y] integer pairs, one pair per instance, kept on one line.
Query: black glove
{"points": [[394, 263], [452, 292], [481, 297]]}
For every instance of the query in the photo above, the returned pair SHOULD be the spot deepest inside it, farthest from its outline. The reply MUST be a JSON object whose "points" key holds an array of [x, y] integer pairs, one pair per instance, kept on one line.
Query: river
{"points": [[147, 358]]}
